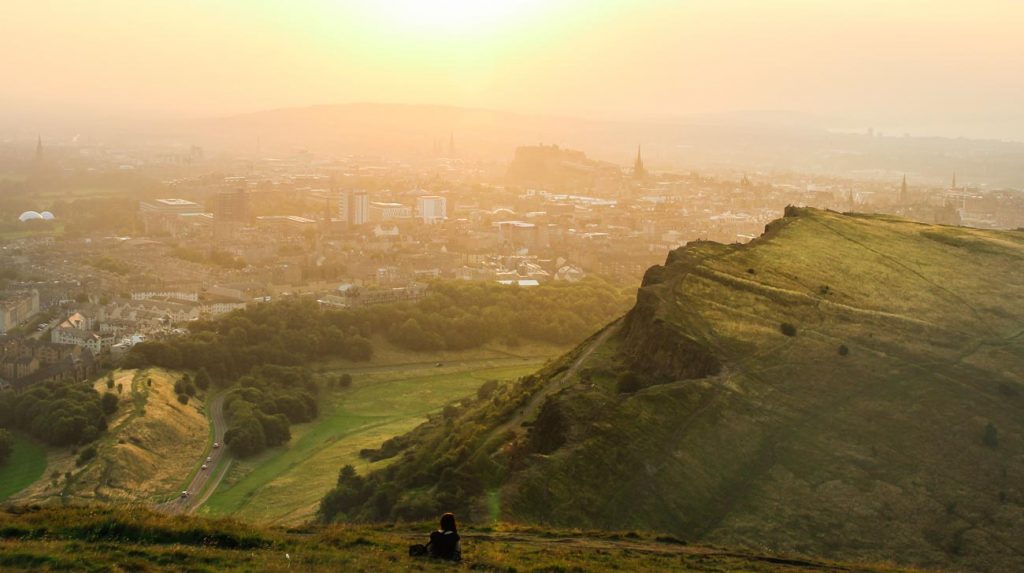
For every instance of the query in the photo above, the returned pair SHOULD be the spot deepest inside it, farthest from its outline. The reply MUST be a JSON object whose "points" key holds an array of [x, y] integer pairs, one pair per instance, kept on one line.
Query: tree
{"points": [[110, 381], [6, 446], [120, 388], [109, 403], [787, 329], [183, 398], [345, 380], [203, 380]]}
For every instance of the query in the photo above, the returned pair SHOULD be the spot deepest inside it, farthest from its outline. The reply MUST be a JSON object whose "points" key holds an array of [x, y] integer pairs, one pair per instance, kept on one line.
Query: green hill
{"points": [[109, 539], [846, 385]]}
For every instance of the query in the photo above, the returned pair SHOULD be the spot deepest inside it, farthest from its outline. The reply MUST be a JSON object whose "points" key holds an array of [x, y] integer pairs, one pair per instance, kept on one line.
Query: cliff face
{"points": [[846, 385]]}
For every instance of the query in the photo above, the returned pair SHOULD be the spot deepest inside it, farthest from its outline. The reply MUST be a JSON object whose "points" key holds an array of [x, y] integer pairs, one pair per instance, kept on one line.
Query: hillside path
{"points": [[216, 467], [557, 383]]}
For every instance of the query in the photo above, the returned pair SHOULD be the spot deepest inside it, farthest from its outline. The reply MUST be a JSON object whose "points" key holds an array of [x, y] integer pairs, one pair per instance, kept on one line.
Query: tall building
{"points": [[432, 208], [232, 206], [354, 207], [639, 172], [904, 198]]}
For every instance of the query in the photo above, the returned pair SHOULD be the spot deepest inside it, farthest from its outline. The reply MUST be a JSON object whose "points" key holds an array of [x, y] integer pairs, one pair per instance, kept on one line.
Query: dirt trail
{"points": [[556, 383]]}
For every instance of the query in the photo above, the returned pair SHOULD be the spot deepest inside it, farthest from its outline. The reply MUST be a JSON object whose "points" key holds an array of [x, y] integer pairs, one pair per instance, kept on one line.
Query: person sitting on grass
{"points": [[443, 542]]}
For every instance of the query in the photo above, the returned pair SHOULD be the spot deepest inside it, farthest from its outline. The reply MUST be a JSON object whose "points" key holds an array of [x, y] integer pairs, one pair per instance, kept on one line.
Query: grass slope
{"points": [[25, 465], [860, 437], [284, 485], [138, 540], [151, 444]]}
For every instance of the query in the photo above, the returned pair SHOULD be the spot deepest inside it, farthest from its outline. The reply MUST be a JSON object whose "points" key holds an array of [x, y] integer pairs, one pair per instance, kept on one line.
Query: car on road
{"points": [[204, 467], [209, 459], [184, 494], [216, 445]]}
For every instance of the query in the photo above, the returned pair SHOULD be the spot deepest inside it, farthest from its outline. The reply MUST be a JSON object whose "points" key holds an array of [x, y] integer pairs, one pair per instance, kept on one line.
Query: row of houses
{"points": [[24, 361]]}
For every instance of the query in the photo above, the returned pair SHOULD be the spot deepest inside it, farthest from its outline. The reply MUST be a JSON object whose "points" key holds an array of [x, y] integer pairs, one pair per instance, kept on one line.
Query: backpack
{"points": [[417, 550]]}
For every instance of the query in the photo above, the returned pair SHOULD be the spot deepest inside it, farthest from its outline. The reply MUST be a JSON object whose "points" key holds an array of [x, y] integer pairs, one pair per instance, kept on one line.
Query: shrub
{"points": [[991, 436], [183, 398], [630, 382], [487, 389], [787, 329], [85, 455], [843, 350], [109, 403], [345, 380], [6, 445]]}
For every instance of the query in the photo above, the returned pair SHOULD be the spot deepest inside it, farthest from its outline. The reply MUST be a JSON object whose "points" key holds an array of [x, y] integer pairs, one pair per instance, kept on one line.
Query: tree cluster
{"points": [[266, 402], [285, 333], [56, 412]]}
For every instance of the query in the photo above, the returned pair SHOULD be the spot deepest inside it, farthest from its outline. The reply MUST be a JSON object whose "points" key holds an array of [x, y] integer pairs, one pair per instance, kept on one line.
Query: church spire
{"points": [[638, 166], [903, 190]]}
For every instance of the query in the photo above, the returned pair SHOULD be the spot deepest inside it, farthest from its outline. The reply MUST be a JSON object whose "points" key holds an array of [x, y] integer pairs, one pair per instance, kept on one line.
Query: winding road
{"points": [[198, 491]]}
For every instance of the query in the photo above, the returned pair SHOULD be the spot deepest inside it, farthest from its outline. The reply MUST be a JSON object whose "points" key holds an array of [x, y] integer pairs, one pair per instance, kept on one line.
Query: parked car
{"points": [[204, 467], [216, 445]]}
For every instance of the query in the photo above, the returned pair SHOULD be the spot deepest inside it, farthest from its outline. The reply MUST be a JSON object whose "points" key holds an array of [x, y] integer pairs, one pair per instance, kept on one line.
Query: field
{"points": [[388, 398], [91, 539], [152, 444], [26, 465]]}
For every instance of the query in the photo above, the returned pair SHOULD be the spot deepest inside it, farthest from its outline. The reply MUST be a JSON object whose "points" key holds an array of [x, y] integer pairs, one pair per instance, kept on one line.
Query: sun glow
{"points": [[444, 17]]}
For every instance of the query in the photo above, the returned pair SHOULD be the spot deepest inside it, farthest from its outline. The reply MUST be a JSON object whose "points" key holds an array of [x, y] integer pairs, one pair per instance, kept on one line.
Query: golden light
{"points": [[453, 17]]}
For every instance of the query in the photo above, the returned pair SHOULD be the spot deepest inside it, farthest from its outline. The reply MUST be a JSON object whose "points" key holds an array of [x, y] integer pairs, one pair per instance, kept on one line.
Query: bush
{"points": [[487, 389], [843, 350], [183, 398], [6, 445], [630, 382], [85, 455], [787, 329], [345, 380], [109, 403], [991, 436]]}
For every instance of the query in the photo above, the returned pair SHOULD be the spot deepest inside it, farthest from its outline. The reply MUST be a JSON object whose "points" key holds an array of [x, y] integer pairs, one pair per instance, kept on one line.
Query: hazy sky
{"points": [[954, 67]]}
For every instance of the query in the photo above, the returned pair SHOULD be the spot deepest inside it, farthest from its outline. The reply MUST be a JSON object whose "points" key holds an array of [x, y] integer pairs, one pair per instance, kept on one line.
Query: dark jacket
{"points": [[445, 545]]}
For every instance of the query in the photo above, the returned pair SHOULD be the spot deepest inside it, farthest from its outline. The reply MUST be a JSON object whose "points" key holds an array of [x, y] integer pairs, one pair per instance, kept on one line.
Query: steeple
{"points": [[954, 181], [638, 166], [451, 144], [903, 190]]}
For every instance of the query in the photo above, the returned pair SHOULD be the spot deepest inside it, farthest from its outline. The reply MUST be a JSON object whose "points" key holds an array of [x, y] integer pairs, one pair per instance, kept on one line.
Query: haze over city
{"points": [[523, 285], [925, 68]]}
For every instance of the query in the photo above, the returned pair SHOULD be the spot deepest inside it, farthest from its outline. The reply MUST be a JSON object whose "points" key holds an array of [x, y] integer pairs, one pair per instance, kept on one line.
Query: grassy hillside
{"points": [[846, 385], [390, 397], [25, 466], [79, 539], [151, 445]]}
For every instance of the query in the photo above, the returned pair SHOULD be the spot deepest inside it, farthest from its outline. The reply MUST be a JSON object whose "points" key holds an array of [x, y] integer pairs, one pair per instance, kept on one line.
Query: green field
{"points": [[284, 485], [26, 465]]}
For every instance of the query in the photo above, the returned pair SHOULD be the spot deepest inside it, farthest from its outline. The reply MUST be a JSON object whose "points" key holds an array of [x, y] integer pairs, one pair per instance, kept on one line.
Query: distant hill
{"points": [[772, 141], [846, 385]]}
